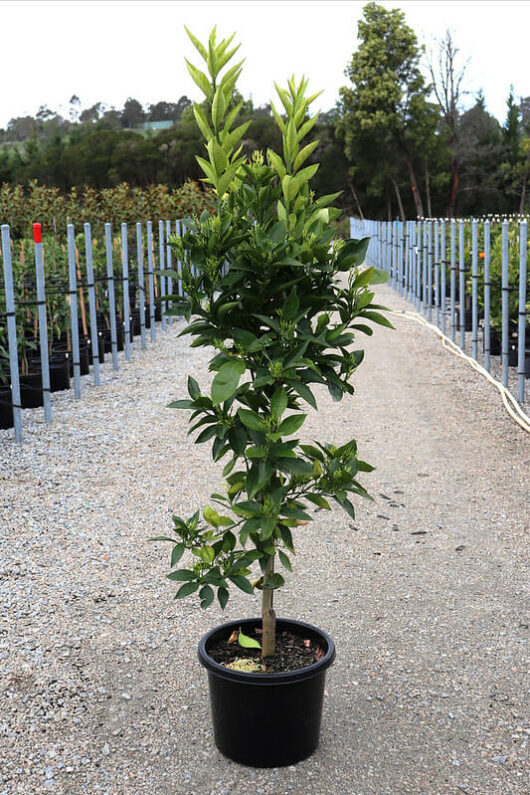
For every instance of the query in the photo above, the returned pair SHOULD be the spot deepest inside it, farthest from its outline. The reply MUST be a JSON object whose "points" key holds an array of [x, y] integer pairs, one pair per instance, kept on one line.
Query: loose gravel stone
{"points": [[100, 687]]}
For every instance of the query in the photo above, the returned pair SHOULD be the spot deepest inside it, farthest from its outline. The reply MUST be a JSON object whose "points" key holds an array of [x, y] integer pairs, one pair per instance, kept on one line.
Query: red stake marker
{"points": [[37, 233]]}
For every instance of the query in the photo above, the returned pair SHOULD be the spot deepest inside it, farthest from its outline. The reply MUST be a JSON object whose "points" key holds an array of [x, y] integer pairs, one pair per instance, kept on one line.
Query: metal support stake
{"points": [[487, 296], [453, 280], [169, 265], [141, 282], [462, 284], [11, 332], [92, 303], [474, 288], [161, 251], [505, 303], [522, 313], [74, 321], [429, 270], [443, 273], [151, 279], [112, 297], [126, 301], [43, 328]]}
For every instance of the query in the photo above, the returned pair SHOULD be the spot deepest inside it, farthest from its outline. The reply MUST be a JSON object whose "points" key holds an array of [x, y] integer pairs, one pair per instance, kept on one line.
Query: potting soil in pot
{"points": [[292, 653]]}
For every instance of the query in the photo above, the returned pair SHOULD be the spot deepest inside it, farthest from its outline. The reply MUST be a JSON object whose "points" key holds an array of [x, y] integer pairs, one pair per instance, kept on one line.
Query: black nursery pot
{"points": [[267, 720], [6, 407]]}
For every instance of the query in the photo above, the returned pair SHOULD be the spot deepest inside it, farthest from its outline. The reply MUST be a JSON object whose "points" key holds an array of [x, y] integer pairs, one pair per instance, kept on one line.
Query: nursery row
{"points": [[467, 277], [67, 306]]}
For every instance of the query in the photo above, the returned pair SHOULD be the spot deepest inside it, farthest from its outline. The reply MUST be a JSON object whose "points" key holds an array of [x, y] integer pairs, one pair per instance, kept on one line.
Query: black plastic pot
{"points": [[6, 408], [267, 720], [31, 394], [59, 373]]}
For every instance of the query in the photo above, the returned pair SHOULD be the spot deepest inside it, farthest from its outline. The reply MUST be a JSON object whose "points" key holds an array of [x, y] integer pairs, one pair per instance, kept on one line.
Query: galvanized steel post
{"points": [[126, 300], [505, 293], [474, 288], [151, 280], [429, 271], [169, 266], [487, 296], [443, 264], [453, 280], [11, 332], [112, 297], [436, 272], [92, 303], [161, 253], [74, 321], [461, 284], [43, 328], [521, 341], [141, 283]]}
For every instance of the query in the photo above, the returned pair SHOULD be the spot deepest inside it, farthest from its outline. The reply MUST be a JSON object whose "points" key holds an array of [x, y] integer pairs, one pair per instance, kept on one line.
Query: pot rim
{"points": [[276, 678]]}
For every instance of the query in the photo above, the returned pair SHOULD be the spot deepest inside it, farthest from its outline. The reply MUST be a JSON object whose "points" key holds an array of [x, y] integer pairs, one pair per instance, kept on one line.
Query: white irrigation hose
{"points": [[514, 410]]}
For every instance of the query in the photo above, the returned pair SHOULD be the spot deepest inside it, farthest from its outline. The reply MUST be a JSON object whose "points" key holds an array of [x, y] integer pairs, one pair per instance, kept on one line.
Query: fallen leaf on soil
{"points": [[319, 653], [307, 643], [233, 637]]}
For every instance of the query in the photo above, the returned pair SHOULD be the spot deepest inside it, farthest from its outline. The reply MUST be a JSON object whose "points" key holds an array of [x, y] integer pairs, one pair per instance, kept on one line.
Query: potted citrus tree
{"points": [[280, 303]]}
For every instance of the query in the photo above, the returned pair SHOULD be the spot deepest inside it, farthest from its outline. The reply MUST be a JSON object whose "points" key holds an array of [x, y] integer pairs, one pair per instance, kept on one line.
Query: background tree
{"points": [[447, 77], [386, 85]]}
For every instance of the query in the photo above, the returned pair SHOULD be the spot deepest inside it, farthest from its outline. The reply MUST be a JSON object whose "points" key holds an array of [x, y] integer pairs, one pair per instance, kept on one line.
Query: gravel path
{"points": [[100, 688]]}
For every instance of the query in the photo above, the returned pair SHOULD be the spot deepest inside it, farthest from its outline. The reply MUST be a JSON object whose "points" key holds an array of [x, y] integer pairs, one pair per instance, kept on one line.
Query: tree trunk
{"points": [[388, 207], [428, 190], [523, 193], [268, 616], [361, 216], [398, 197], [450, 211], [414, 185]]}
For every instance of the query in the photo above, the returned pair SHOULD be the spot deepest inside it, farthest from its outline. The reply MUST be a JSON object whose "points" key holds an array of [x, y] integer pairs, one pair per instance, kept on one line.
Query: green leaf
{"points": [[206, 595], [279, 402], [242, 583], [291, 424], [226, 381], [291, 304], [376, 317], [285, 560], [182, 575], [304, 392], [246, 642], [199, 78], [197, 43], [162, 538], [176, 554], [187, 589], [274, 581], [222, 595], [202, 122], [193, 388], [181, 404], [211, 516], [251, 420]]}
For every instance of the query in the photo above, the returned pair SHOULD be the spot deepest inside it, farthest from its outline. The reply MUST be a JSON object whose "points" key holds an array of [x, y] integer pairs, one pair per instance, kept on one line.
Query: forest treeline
{"points": [[396, 143]]}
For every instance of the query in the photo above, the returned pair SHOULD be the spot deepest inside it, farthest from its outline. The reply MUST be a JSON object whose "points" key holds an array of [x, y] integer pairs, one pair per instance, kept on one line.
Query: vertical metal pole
{"points": [[141, 282], [169, 266], [487, 296], [151, 279], [43, 328], [74, 322], [424, 265], [126, 301], [453, 280], [521, 342], [11, 332], [161, 249], [112, 297], [429, 271], [474, 288], [436, 272], [462, 283], [400, 232], [443, 273], [178, 229], [505, 303], [92, 303]]}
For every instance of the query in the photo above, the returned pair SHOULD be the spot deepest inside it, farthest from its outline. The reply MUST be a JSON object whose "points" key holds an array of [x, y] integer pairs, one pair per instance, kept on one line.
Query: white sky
{"points": [[109, 50]]}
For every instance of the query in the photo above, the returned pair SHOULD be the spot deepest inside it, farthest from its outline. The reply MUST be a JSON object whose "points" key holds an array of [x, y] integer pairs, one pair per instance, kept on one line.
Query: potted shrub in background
{"points": [[280, 302]]}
